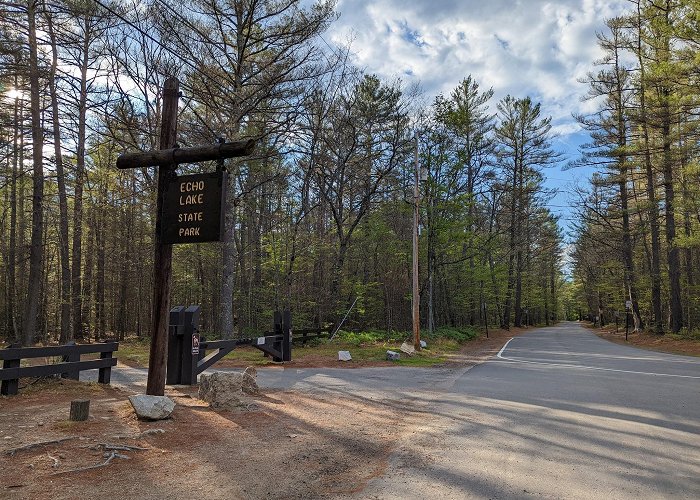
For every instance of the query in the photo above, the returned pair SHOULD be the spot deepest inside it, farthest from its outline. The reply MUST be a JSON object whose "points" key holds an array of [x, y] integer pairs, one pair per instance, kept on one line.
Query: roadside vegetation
{"points": [[365, 347], [684, 342]]}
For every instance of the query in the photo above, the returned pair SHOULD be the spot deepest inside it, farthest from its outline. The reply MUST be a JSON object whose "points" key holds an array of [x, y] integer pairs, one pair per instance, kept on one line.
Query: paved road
{"points": [[559, 413]]}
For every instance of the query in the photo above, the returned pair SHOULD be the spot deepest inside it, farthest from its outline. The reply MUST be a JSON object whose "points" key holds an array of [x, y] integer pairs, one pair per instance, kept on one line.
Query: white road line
{"points": [[504, 348], [582, 367]]}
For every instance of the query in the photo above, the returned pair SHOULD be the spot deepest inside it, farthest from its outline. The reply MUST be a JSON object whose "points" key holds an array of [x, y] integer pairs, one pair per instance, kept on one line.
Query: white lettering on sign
{"points": [[191, 217], [261, 340], [188, 231], [192, 209], [187, 187], [192, 199]]}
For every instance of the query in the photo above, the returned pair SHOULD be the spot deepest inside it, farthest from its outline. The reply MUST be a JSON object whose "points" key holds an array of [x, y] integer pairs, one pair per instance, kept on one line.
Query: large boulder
{"points": [[152, 407], [226, 391]]}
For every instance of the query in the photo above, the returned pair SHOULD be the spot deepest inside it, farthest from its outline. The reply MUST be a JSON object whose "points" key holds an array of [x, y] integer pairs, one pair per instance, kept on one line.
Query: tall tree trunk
{"points": [[228, 264], [101, 237], [522, 215], [78, 327], [22, 259], [553, 290], [87, 297], [12, 253], [545, 294], [673, 252], [627, 250], [512, 247], [518, 288], [66, 333], [657, 319], [674, 261], [36, 249], [690, 278]]}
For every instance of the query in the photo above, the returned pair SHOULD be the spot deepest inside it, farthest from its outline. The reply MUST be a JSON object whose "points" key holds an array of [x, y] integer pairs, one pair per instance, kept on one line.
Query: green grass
{"points": [[134, 351], [363, 346]]}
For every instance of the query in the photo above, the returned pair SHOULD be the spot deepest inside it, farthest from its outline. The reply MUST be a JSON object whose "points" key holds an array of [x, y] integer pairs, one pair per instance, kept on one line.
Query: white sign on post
{"points": [[195, 343], [628, 305], [261, 340]]}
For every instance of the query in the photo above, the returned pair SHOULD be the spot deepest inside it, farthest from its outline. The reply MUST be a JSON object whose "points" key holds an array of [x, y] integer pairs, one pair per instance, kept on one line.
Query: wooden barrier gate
{"points": [[187, 351], [187, 356]]}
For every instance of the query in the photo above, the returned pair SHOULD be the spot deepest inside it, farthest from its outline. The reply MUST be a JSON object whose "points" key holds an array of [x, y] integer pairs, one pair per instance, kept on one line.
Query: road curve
{"points": [[558, 413]]}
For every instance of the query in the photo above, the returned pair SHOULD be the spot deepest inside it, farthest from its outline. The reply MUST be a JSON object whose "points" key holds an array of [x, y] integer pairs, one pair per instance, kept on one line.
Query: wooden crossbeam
{"points": [[174, 156]]}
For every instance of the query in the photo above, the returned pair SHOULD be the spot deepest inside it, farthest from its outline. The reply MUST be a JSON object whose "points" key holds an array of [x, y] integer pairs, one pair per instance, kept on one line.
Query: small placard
{"points": [[261, 340], [195, 343], [628, 305]]}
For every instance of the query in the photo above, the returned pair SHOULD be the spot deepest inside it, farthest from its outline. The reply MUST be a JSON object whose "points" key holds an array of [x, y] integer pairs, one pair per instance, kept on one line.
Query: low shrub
{"points": [[458, 334], [367, 337]]}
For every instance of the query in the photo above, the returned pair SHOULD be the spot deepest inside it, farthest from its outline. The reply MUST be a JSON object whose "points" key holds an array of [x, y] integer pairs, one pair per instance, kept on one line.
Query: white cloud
{"points": [[525, 47], [536, 48]]}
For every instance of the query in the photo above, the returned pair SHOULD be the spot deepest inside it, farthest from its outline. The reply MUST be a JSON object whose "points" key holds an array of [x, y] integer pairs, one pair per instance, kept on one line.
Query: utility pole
{"points": [[416, 296]]}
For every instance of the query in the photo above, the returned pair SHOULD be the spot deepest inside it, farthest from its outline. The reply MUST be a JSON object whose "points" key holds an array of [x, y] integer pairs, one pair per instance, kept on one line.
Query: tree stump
{"points": [[79, 410]]}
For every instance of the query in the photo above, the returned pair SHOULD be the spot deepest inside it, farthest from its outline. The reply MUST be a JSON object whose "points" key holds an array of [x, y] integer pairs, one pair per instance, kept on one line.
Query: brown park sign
{"points": [[193, 208]]}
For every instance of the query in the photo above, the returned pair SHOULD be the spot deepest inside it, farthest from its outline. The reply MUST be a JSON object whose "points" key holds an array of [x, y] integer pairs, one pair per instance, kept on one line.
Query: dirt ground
{"points": [[645, 340], [286, 444]]}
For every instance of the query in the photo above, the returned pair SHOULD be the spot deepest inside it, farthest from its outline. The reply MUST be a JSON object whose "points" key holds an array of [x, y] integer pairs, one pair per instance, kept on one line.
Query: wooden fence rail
{"points": [[70, 366], [307, 334]]}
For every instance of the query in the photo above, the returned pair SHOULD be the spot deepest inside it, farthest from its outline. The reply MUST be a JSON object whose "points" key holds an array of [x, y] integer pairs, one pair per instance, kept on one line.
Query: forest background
{"points": [[321, 214]]}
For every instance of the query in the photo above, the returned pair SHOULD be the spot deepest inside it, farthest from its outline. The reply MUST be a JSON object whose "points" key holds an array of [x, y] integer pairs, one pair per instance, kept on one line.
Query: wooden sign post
{"points": [[190, 209]]}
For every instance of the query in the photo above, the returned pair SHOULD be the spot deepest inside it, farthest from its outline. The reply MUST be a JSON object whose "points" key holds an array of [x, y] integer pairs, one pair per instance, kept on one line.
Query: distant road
{"points": [[558, 413]]}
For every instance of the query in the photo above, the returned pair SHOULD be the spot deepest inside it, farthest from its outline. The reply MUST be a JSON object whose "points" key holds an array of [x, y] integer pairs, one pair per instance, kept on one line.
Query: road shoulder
{"points": [[669, 343]]}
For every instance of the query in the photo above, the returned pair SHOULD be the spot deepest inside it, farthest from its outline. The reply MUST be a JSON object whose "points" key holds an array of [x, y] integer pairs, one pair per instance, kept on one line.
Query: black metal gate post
{"points": [[175, 345], [278, 332], [286, 335], [190, 355]]}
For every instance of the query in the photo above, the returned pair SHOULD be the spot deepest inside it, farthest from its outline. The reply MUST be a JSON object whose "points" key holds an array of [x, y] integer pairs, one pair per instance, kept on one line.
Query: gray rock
{"points": [[223, 390], [152, 407], [249, 384], [408, 348], [393, 356], [423, 344]]}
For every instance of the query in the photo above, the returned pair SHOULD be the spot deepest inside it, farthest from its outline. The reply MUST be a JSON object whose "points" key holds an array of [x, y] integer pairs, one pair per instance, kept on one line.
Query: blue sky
{"points": [[533, 48]]}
